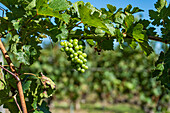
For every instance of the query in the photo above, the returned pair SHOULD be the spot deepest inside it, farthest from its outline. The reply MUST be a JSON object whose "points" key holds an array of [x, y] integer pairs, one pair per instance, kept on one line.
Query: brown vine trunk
{"points": [[19, 85]]}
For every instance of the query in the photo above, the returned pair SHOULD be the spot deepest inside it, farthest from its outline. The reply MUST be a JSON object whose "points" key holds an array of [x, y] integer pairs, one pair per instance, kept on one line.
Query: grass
{"points": [[96, 108]]}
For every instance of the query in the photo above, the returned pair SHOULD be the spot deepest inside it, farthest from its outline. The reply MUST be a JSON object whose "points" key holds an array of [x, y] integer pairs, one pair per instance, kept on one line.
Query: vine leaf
{"points": [[91, 16], [111, 8], [52, 8], [138, 33], [162, 69], [43, 107], [160, 4], [146, 47]]}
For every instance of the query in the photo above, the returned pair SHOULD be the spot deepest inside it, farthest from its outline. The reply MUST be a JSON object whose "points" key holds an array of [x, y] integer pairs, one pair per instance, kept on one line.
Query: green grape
{"points": [[71, 41], [81, 61], [79, 52], [79, 69], [72, 60], [84, 60], [66, 49], [75, 40], [83, 65], [75, 43], [86, 67], [82, 70], [70, 45], [65, 44], [76, 58], [71, 56], [75, 54], [62, 43], [80, 46], [81, 57], [84, 55], [77, 48], [71, 50], [62, 49]]}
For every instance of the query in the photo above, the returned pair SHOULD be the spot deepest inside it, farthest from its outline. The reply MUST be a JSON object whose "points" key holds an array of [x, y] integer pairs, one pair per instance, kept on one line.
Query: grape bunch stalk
{"points": [[75, 52]]}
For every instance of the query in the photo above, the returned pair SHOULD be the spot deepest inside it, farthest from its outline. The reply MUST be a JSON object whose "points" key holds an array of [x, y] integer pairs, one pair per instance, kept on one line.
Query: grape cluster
{"points": [[75, 52]]}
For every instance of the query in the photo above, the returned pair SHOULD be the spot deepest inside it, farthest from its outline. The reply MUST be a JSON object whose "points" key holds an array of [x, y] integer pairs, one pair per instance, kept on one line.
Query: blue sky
{"points": [[146, 5]]}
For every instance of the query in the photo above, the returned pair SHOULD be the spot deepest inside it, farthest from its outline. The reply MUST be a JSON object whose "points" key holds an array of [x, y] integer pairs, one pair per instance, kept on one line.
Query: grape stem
{"points": [[75, 26]]}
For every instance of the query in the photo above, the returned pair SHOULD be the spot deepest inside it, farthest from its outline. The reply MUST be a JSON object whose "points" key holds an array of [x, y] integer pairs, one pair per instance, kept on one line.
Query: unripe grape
{"points": [[66, 49], [77, 48], [79, 69], [82, 70], [70, 45], [81, 57], [75, 54], [79, 52], [76, 58], [80, 46], [62, 49], [83, 66], [71, 41], [84, 55], [85, 60], [81, 62], [75, 40], [71, 56], [72, 60], [71, 50], [65, 44], [62, 43], [86, 67], [75, 43]]}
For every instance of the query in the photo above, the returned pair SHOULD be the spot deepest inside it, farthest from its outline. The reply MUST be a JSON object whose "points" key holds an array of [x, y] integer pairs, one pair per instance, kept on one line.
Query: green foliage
{"points": [[162, 69], [28, 22]]}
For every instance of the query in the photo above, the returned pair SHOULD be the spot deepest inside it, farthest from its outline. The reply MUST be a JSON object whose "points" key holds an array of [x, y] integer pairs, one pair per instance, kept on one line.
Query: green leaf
{"points": [[87, 17], [119, 17], [128, 8], [111, 8], [119, 37], [59, 5], [128, 22], [26, 85], [44, 107], [52, 8], [90, 42], [160, 4], [136, 9], [31, 5], [146, 48], [138, 33]]}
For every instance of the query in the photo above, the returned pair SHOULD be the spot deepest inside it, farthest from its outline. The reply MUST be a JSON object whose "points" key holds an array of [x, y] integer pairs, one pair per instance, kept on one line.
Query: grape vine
{"points": [[25, 23]]}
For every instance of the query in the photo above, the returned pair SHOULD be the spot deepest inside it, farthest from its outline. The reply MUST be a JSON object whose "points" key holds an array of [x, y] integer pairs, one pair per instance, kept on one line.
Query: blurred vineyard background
{"points": [[117, 81]]}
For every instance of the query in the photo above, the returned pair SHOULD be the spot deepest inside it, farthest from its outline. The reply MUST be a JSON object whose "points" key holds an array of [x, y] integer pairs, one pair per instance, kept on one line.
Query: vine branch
{"points": [[19, 85], [113, 37], [16, 77], [17, 103]]}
